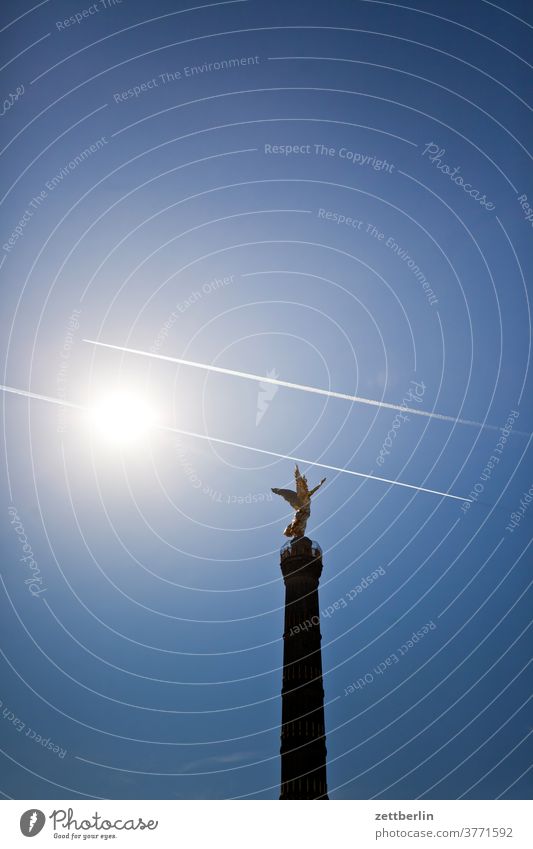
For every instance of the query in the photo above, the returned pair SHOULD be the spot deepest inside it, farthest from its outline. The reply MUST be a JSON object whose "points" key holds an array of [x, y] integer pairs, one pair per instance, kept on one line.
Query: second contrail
{"points": [[302, 387], [61, 403], [311, 462]]}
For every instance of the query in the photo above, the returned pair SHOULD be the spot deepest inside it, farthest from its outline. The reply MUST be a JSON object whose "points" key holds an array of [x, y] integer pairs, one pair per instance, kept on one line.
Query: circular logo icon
{"points": [[32, 822]]}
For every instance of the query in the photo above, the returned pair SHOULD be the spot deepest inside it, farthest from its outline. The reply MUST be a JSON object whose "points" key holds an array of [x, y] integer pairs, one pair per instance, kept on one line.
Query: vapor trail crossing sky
{"points": [[49, 399], [313, 463], [302, 387]]}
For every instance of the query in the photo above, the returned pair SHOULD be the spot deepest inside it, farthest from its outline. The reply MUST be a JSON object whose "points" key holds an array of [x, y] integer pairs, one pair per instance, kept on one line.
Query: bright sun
{"points": [[122, 418]]}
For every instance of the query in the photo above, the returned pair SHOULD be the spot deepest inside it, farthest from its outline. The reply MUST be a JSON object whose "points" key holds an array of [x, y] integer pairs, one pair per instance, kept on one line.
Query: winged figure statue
{"points": [[300, 501]]}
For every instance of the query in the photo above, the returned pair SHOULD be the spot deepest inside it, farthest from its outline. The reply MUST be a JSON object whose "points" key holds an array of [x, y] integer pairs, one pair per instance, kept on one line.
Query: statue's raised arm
{"points": [[317, 487], [300, 501]]}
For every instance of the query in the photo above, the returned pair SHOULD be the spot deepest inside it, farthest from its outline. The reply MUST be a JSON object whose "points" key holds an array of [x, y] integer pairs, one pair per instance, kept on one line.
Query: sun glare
{"points": [[121, 418]]}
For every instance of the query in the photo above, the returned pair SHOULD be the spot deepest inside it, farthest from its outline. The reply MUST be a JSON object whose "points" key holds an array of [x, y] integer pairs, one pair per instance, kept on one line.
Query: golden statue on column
{"points": [[300, 501]]}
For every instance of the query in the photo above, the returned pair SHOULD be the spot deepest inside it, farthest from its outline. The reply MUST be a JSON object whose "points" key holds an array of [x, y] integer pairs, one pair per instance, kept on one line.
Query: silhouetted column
{"points": [[303, 738]]}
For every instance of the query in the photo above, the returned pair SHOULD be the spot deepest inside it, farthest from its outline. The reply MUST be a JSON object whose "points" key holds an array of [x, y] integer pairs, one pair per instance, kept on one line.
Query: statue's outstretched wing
{"points": [[289, 496]]}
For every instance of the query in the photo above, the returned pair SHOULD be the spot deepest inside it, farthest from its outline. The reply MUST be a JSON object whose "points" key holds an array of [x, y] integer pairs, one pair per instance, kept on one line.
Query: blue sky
{"points": [[283, 211]]}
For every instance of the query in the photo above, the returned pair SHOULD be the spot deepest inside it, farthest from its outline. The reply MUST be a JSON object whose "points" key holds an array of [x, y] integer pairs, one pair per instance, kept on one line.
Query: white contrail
{"points": [[303, 387], [195, 435], [37, 397], [310, 462]]}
